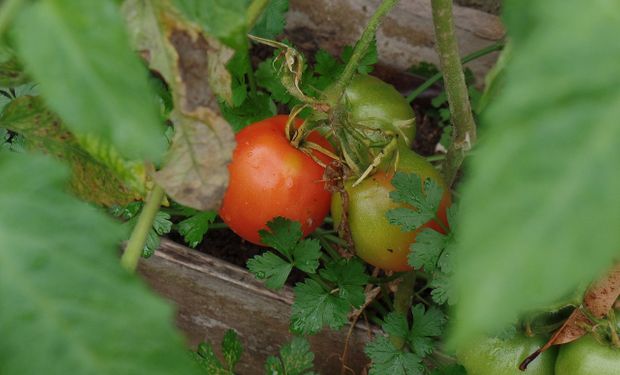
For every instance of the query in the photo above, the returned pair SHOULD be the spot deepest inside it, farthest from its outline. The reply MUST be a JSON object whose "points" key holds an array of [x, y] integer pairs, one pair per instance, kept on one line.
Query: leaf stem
{"points": [[472, 56], [402, 302], [255, 10], [360, 49], [464, 132], [8, 10], [136, 242]]}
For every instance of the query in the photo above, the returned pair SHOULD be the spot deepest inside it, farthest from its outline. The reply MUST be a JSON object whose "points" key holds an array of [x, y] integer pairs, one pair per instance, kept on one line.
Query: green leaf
{"points": [[92, 79], [224, 19], [194, 228], [254, 108], [368, 60], [271, 23], [270, 268], [350, 278], [540, 207], [283, 235], [396, 325], [208, 361], [315, 308], [267, 76], [297, 357], [426, 325], [424, 198], [387, 360], [11, 70], [231, 348], [64, 295], [426, 249]]}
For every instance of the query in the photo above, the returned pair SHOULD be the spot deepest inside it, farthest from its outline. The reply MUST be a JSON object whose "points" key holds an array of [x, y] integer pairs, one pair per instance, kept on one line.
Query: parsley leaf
{"points": [[295, 359], [426, 249], [396, 325], [267, 77], [231, 348], [252, 109], [285, 236], [426, 325], [424, 197], [206, 358], [270, 268], [194, 228], [271, 23], [350, 278], [368, 60], [386, 359], [314, 308]]}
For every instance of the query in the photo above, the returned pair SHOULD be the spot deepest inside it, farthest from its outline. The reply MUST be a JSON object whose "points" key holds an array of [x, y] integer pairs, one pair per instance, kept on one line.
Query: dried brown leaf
{"points": [[196, 173]]}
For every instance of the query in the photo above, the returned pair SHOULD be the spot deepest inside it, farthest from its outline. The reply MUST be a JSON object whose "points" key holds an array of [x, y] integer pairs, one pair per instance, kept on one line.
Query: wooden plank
{"points": [[213, 296], [406, 37]]}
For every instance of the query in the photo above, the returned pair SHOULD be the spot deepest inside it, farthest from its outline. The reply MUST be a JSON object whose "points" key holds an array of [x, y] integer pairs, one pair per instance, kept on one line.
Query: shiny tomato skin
{"points": [[378, 242], [271, 178], [495, 356], [587, 356]]}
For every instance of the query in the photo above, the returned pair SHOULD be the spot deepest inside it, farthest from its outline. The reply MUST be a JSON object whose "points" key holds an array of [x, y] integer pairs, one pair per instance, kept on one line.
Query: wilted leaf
{"points": [[99, 174], [79, 53], [196, 173], [540, 205], [11, 70]]}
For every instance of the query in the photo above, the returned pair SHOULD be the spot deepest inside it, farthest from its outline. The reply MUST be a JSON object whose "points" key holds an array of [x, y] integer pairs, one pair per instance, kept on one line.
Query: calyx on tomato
{"points": [[495, 356], [270, 178], [588, 356], [376, 241]]}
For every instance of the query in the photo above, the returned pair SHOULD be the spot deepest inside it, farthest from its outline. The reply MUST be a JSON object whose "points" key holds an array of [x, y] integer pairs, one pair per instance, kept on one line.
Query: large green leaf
{"points": [[67, 306], [541, 203], [79, 52], [224, 19]]}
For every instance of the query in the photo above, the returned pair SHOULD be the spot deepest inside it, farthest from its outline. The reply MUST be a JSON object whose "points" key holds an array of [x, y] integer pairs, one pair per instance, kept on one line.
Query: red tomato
{"points": [[270, 178]]}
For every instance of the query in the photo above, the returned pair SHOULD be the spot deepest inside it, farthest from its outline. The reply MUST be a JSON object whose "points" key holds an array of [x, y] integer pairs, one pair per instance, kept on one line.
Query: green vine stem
{"points": [[360, 49], [255, 9], [8, 10], [471, 57], [402, 302], [464, 132], [136, 242]]}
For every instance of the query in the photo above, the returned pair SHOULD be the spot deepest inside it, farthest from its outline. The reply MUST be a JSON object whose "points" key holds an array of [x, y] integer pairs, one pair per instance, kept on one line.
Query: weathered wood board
{"points": [[213, 296]]}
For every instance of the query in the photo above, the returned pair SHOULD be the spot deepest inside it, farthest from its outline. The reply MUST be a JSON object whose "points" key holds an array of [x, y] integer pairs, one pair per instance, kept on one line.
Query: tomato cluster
{"points": [[269, 178], [494, 356]]}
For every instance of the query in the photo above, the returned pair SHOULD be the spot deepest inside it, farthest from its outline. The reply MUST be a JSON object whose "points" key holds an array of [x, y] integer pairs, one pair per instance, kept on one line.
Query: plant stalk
{"points": [[402, 302], [360, 48], [255, 9], [464, 132], [136, 242], [471, 57], [8, 10]]}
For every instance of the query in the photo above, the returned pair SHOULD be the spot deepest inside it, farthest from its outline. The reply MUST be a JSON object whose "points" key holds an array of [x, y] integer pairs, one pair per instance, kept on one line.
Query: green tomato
{"points": [[495, 356], [587, 356], [376, 104], [378, 242]]}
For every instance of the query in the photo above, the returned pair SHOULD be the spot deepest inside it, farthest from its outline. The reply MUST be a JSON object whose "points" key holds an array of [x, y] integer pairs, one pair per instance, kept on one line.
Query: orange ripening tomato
{"points": [[270, 178]]}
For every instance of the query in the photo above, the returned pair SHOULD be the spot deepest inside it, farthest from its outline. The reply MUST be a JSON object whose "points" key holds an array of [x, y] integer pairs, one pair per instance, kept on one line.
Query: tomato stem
{"points": [[403, 298], [8, 10], [136, 242], [360, 49], [255, 10], [464, 127], [472, 56]]}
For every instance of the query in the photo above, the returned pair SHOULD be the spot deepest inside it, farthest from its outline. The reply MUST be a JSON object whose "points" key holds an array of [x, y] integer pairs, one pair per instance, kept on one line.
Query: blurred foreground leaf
{"points": [[540, 205], [79, 53], [67, 305]]}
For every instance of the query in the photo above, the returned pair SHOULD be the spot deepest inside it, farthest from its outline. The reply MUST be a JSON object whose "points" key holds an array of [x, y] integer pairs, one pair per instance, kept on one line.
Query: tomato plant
{"points": [[377, 241], [587, 356], [270, 178], [374, 104], [495, 356]]}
